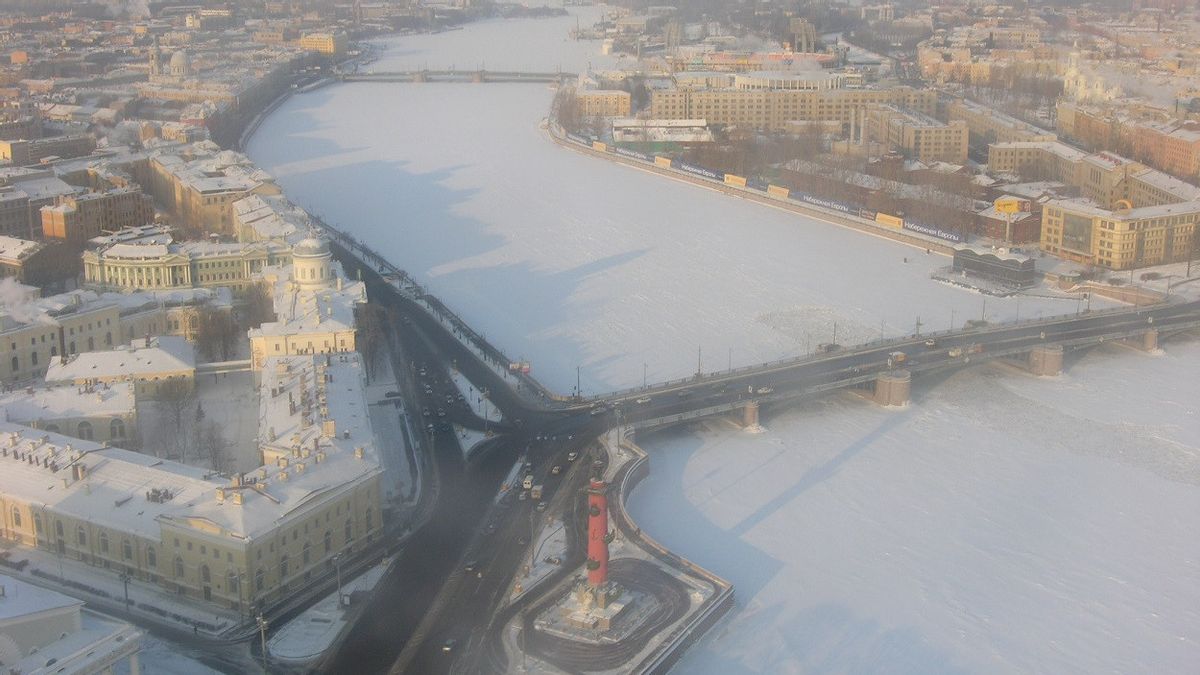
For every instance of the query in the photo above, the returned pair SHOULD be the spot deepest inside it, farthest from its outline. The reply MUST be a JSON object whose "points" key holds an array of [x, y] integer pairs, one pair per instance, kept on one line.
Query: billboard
{"points": [[701, 171], [664, 162], [889, 220], [934, 231], [736, 181], [634, 154], [1077, 233], [776, 191]]}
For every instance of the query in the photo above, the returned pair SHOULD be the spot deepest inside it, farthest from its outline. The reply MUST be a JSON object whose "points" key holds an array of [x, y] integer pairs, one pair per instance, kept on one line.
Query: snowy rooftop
{"points": [[1006, 120], [1061, 149], [208, 169], [304, 310], [47, 188], [15, 249], [30, 405], [1081, 205], [141, 358], [1177, 188], [140, 234], [272, 217], [22, 599], [116, 481]]}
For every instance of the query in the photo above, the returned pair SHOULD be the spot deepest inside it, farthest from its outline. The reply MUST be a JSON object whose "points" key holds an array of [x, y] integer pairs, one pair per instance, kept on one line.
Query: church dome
{"points": [[311, 247]]}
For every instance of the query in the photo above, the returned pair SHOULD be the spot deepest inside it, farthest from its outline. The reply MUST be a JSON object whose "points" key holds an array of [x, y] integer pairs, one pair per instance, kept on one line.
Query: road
{"points": [[432, 615]]}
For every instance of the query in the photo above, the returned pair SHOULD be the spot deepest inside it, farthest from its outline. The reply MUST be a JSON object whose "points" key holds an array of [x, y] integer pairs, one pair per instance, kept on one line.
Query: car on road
{"points": [[684, 393], [470, 566], [441, 413], [955, 352], [528, 482], [556, 470], [931, 343], [598, 411], [541, 506], [572, 456], [391, 394], [764, 390], [448, 646], [425, 412], [644, 400]]}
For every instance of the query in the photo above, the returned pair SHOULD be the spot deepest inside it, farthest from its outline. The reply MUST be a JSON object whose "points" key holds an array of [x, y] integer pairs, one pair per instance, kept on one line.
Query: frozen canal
{"points": [[999, 524]]}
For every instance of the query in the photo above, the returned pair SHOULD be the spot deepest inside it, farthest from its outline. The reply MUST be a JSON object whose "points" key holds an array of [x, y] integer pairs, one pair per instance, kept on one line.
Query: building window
{"points": [[34, 358], [328, 542], [104, 542], [126, 550], [283, 567], [16, 517], [306, 554], [85, 431], [259, 580], [151, 557], [349, 531], [16, 364], [37, 520], [205, 575], [178, 567], [233, 582], [81, 536], [116, 428]]}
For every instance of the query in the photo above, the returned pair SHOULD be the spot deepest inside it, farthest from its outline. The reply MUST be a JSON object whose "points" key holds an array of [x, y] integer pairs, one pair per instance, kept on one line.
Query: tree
{"points": [[216, 334], [175, 397], [370, 333], [259, 307], [214, 447]]}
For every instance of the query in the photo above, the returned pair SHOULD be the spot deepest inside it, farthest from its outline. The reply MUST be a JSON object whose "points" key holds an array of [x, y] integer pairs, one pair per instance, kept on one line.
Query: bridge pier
{"points": [[1046, 360], [750, 415], [1147, 343], [478, 77], [420, 76], [893, 388]]}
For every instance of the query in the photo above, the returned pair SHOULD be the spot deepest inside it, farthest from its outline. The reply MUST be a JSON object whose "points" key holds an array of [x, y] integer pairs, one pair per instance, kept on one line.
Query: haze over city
{"points": [[717, 337]]}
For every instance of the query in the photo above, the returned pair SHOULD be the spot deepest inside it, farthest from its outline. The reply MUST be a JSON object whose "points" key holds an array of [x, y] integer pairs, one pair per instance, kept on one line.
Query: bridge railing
{"points": [[894, 341]]}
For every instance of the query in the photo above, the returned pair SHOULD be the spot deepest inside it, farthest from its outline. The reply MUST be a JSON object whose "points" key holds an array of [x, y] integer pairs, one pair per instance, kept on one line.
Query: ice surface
{"points": [[1002, 523], [999, 524], [569, 260]]}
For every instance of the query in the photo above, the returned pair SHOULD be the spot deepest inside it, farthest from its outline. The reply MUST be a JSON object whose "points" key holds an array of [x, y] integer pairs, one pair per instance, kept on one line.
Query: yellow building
{"points": [[333, 44], [1080, 231], [988, 125], [147, 363], [193, 264], [199, 184], [775, 109], [603, 102], [916, 135], [314, 307]]}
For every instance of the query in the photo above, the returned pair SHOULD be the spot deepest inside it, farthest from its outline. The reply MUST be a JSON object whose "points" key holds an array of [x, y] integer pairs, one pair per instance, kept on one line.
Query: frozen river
{"points": [[999, 524]]}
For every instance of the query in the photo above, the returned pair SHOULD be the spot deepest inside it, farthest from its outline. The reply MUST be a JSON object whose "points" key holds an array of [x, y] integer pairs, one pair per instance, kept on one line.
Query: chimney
{"points": [[220, 495], [237, 479], [329, 428], [238, 499], [358, 453]]}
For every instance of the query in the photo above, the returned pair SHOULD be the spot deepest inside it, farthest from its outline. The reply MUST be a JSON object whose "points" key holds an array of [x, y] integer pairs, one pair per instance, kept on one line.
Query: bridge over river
{"points": [[477, 76]]}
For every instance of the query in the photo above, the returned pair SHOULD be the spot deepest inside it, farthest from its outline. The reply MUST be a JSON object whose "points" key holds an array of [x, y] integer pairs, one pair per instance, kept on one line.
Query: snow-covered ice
{"points": [[1001, 523], [571, 260]]}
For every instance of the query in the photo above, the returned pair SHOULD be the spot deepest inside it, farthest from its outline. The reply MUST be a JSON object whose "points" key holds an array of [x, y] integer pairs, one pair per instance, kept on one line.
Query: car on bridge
{"points": [[644, 400], [764, 390]]}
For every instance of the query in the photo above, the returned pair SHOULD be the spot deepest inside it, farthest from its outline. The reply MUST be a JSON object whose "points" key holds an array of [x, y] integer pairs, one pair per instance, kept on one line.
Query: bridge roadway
{"points": [[429, 599], [694, 397], [458, 76]]}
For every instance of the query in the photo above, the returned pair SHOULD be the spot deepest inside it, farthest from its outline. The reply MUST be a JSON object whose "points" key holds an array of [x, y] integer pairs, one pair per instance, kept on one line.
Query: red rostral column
{"points": [[597, 533]]}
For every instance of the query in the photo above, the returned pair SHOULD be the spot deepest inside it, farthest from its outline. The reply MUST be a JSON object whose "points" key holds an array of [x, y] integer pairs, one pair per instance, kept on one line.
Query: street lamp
{"points": [[337, 565], [125, 580], [262, 632]]}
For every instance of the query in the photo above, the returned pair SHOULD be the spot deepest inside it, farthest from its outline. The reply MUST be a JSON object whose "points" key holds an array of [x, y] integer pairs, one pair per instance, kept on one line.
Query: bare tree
{"points": [[175, 398], [216, 334], [214, 447], [259, 307], [370, 334]]}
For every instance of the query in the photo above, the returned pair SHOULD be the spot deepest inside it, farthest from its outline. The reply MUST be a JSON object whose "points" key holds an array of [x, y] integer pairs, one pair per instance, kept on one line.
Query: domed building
{"points": [[312, 263], [181, 64]]}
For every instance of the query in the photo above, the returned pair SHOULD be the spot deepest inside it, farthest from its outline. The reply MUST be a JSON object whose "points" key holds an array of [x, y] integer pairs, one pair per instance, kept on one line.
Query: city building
{"points": [[35, 331], [314, 307], [36, 263], [31, 151], [1081, 231], [43, 632], [149, 363], [332, 44], [916, 135], [105, 413], [270, 218], [603, 102], [199, 183], [775, 110], [77, 218], [192, 264], [1000, 265], [988, 125]]}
